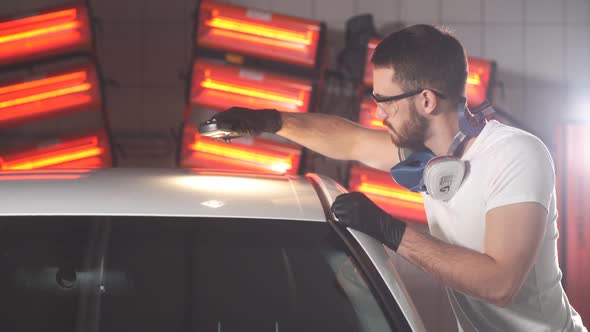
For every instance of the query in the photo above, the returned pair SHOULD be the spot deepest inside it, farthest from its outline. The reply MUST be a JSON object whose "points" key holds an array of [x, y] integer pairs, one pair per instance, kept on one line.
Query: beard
{"points": [[413, 134]]}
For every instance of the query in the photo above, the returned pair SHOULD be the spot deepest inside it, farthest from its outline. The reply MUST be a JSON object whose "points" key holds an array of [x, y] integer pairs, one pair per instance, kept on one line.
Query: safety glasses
{"points": [[381, 99]]}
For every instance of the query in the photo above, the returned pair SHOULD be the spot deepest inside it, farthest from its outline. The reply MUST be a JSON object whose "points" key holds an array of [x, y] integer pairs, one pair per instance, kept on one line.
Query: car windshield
{"points": [[180, 274]]}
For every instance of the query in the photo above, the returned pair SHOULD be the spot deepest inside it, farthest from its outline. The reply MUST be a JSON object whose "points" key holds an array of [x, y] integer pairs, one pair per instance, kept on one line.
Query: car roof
{"points": [[159, 192]]}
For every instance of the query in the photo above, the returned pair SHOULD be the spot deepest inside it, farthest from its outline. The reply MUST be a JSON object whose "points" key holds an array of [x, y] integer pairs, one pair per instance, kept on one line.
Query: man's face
{"points": [[406, 126]]}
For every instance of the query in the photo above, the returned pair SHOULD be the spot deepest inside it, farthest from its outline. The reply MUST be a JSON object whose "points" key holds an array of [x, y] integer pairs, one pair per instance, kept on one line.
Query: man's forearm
{"points": [[328, 135], [463, 269]]}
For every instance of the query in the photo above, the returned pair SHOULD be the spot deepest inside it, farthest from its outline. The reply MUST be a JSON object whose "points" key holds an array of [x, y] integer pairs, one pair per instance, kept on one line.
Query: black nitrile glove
{"points": [[245, 121], [357, 211]]}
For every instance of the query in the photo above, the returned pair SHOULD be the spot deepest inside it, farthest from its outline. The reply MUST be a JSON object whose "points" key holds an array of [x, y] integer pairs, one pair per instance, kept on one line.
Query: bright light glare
{"points": [[213, 204], [228, 184]]}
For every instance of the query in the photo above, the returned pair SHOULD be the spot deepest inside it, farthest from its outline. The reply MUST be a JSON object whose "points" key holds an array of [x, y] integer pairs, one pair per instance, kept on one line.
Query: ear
{"points": [[429, 101]]}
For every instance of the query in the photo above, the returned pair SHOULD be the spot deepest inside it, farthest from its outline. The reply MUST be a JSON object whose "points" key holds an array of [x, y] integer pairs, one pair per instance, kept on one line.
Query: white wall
{"points": [[542, 47]]}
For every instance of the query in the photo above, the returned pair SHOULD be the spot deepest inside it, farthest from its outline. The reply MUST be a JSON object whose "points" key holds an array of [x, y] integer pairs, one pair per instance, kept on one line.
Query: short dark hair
{"points": [[424, 56]]}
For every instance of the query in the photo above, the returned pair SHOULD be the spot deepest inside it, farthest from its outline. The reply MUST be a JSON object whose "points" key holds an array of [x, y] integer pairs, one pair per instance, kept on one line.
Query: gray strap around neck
{"points": [[457, 144]]}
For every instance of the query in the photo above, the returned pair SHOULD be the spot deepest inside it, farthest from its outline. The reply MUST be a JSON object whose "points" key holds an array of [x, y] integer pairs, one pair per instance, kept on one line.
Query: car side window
{"points": [[180, 274], [39, 261], [236, 275]]}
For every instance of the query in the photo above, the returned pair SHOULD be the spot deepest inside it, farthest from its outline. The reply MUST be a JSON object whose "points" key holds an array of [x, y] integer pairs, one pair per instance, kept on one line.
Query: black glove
{"points": [[357, 211], [245, 121]]}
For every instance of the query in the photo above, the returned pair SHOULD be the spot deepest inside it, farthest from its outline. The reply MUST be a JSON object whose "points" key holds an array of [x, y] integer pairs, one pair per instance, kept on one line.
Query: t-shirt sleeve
{"points": [[521, 171]]}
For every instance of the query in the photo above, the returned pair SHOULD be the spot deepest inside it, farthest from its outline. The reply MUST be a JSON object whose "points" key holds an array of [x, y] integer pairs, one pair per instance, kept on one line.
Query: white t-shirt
{"points": [[506, 166]]}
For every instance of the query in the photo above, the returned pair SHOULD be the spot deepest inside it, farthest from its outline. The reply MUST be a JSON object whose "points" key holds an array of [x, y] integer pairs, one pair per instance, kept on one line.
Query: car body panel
{"points": [[377, 253], [385, 266], [159, 192]]}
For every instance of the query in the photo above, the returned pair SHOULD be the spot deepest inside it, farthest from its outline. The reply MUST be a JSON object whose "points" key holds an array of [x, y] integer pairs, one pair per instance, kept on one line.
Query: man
{"points": [[493, 243]]}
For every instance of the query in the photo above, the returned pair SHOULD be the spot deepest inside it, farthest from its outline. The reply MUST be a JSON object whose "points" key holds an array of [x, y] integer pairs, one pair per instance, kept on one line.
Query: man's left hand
{"points": [[357, 211]]}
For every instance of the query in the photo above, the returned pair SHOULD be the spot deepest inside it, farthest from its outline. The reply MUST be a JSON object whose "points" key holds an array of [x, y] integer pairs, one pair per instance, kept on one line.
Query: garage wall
{"points": [[542, 48]]}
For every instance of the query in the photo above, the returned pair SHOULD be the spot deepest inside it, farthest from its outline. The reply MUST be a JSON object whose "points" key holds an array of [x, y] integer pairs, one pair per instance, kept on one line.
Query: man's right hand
{"points": [[357, 211], [245, 121]]}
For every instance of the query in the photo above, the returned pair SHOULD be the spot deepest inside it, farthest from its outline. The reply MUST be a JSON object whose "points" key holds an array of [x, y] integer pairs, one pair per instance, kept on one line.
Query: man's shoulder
{"points": [[503, 139], [509, 148]]}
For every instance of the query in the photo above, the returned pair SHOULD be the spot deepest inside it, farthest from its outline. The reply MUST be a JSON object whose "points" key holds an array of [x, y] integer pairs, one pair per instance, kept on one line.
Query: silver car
{"points": [[188, 250]]}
